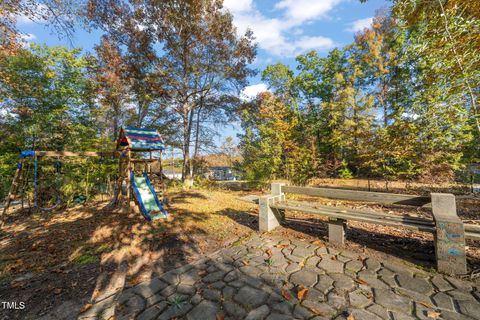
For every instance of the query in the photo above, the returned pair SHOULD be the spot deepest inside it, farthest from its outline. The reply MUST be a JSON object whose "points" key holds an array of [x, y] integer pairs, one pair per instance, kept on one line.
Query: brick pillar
{"points": [[336, 231], [449, 236]]}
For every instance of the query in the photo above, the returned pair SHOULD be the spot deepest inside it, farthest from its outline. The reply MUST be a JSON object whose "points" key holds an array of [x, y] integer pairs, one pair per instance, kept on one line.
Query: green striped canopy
{"points": [[141, 139]]}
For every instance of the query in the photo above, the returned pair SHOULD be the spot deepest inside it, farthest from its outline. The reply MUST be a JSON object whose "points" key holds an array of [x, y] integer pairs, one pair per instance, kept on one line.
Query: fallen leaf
{"points": [[57, 290], [85, 307], [316, 311], [202, 272], [433, 314], [268, 252], [245, 262], [302, 293], [350, 317], [286, 294], [426, 304], [17, 285], [334, 258], [220, 316], [317, 242], [282, 246], [360, 281], [301, 264]]}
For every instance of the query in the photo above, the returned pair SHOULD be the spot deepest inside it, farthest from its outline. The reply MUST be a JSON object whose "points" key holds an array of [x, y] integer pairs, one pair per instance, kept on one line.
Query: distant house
{"points": [[474, 168], [221, 173], [170, 174]]}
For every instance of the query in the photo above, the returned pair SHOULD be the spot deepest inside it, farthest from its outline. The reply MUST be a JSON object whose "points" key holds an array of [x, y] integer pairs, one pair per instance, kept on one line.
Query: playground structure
{"points": [[132, 189]]}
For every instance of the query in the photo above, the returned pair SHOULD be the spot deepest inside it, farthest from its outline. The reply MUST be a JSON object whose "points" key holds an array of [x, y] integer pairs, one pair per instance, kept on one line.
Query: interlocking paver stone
{"points": [[442, 284], [354, 265], [340, 284], [415, 284], [324, 284], [250, 297], [331, 265], [470, 308], [379, 311], [259, 313], [204, 310], [153, 311], [359, 298], [304, 277], [175, 311], [278, 316], [392, 301], [234, 309], [149, 288], [444, 301]]}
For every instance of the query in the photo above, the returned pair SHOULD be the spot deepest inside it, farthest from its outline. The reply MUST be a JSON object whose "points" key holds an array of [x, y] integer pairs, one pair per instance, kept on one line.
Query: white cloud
{"points": [[278, 35], [310, 43], [237, 6], [26, 38], [299, 11], [360, 24], [251, 92]]}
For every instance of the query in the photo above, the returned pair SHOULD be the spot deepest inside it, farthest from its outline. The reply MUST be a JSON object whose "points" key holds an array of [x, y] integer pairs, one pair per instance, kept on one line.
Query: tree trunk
{"points": [[197, 130]]}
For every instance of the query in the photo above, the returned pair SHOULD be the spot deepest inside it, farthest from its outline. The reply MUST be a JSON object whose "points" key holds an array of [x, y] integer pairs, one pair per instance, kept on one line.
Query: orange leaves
{"points": [[433, 314], [85, 307], [317, 242], [302, 293], [281, 246], [220, 316], [360, 281], [268, 252], [286, 294]]}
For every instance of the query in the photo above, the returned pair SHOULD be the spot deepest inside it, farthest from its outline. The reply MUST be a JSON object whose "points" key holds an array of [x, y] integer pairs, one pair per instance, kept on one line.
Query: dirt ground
{"points": [[50, 258]]}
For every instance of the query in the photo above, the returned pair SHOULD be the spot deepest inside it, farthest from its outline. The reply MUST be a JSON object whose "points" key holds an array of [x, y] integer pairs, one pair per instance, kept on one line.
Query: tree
{"points": [[201, 58]]}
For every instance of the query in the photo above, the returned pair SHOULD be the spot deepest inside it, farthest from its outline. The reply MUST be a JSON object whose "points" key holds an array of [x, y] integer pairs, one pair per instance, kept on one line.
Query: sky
{"points": [[283, 29]]}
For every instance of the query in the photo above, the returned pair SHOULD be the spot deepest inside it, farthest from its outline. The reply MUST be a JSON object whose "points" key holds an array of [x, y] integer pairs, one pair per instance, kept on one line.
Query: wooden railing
{"points": [[450, 232]]}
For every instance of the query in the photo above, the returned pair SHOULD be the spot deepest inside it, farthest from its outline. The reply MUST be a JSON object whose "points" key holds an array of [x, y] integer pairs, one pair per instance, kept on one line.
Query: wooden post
{"points": [[336, 231], [12, 191], [449, 236], [129, 174]]}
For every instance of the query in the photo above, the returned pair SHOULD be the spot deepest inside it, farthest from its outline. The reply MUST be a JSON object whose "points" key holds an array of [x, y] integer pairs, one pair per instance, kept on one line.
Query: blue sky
{"points": [[283, 29]]}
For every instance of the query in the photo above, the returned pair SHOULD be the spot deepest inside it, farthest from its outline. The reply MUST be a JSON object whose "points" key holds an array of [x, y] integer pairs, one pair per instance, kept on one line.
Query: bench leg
{"points": [[449, 235], [336, 231], [450, 248], [269, 218]]}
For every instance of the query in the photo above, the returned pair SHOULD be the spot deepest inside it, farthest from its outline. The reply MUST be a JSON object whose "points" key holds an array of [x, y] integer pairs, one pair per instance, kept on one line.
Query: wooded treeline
{"points": [[177, 66], [400, 102]]}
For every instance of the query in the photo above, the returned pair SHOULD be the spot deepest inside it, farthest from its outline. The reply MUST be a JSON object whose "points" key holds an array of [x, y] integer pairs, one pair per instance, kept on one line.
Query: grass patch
{"points": [[86, 259], [103, 248]]}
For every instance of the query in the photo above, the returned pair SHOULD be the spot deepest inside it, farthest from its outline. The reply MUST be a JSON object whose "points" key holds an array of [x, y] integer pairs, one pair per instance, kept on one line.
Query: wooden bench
{"points": [[448, 229]]}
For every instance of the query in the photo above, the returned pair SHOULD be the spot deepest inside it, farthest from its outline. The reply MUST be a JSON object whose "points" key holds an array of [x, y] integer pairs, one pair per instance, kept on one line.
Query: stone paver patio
{"points": [[261, 277]]}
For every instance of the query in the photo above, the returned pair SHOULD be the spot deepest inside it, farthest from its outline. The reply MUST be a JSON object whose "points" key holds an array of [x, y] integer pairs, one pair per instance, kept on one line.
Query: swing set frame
{"points": [[126, 165]]}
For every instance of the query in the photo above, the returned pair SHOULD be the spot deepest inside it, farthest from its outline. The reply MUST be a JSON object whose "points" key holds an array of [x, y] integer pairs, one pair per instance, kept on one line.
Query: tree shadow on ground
{"points": [[414, 247], [62, 261]]}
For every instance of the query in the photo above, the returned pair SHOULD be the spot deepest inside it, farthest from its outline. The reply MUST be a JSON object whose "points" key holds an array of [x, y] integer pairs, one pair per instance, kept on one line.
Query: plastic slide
{"points": [[150, 205]]}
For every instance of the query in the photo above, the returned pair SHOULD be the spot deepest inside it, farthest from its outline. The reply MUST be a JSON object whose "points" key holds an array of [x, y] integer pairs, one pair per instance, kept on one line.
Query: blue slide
{"points": [[150, 205]]}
